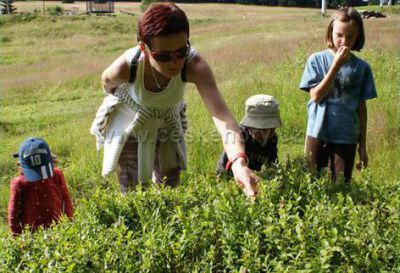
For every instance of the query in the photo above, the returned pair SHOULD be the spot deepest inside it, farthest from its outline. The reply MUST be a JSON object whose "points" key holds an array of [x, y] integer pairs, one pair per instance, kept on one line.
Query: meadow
{"points": [[50, 87]]}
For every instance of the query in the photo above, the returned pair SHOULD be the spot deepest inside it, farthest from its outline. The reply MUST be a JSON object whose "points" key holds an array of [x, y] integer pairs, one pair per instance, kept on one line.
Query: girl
{"points": [[339, 84], [142, 129]]}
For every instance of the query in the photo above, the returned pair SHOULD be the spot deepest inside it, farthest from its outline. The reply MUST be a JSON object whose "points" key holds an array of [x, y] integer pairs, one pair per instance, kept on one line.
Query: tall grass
{"points": [[50, 68]]}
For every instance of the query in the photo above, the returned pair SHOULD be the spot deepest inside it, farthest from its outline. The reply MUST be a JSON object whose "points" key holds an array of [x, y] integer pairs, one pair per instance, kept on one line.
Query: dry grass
{"points": [[239, 35], [51, 70], [383, 33]]}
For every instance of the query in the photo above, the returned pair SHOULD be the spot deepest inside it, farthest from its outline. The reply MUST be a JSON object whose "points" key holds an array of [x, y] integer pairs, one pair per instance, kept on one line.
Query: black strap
{"points": [[133, 68], [183, 71], [134, 63]]}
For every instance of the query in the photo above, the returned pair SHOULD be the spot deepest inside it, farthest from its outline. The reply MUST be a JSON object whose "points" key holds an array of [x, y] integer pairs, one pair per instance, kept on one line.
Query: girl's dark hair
{"points": [[162, 19], [347, 15]]}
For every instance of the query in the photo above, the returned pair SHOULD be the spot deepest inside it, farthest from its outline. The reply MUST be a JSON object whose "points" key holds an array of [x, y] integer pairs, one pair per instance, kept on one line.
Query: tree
{"points": [[145, 3]]}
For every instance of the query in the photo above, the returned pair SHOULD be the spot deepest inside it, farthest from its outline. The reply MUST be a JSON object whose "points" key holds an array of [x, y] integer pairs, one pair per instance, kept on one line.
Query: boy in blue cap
{"points": [[39, 194]]}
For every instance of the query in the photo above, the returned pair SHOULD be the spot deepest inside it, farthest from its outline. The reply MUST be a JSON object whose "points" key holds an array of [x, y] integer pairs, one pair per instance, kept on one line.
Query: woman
{"points": [[150, 80]]}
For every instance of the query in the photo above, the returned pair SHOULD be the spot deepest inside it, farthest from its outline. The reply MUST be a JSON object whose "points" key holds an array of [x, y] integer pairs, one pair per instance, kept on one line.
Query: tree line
{"points": [[285, 3]]}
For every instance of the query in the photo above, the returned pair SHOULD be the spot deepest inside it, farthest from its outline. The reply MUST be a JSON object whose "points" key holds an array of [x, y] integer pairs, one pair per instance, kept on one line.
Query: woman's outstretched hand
{"points": [[245, 177]]}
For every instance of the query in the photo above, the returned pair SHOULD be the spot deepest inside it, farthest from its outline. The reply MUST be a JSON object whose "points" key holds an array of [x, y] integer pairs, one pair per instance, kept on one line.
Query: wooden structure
{"points": [[99, 6], [7, 7]]}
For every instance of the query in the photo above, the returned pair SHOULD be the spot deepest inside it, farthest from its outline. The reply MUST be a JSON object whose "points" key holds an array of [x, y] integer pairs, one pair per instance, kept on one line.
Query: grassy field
{"points": [[49, 87]]}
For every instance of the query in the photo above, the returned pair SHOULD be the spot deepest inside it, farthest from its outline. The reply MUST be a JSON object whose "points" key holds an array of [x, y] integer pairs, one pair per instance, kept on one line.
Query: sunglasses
{"points": [[166, 56]]}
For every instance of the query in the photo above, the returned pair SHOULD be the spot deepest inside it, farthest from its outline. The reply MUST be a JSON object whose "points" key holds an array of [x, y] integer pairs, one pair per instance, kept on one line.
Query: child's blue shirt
{"points": [[335, 119]]}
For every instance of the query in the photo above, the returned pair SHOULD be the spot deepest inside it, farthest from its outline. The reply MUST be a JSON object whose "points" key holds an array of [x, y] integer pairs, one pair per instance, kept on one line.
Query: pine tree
{"points": [[7, 7]]}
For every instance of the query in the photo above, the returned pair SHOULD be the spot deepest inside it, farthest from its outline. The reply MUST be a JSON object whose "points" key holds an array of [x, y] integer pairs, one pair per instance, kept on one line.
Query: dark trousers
{"points": [[338, 157]]}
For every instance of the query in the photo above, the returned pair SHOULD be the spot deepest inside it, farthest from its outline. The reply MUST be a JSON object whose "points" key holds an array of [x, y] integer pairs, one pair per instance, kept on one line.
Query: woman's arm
{"points": [[67, 207], [201, 75], [115, 74]]}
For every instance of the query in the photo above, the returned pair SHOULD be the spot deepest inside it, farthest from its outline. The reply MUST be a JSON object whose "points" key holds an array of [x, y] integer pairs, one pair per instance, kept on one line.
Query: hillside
{"points": [[50, 69]]}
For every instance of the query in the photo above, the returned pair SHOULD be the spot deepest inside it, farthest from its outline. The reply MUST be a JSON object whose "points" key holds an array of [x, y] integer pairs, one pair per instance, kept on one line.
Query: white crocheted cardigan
{"points": [[119, 116]]}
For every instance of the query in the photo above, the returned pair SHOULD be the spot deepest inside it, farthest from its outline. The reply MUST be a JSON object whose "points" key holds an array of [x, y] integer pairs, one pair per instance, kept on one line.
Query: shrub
{"points": [[298, 223], [145, 3], [55, 11]]}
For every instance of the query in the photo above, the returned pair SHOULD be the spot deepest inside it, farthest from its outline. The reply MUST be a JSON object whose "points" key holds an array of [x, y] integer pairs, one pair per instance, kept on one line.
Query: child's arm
{"points": [[221, 164], [362, 144], [274, 157], [271, 151], [14, 208], [66, 199], [321, 90]]}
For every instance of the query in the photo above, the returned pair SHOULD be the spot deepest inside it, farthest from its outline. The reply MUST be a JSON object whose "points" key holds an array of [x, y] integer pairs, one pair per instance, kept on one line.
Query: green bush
{"points": [[146, 3], [298, 223], [54, 11]]}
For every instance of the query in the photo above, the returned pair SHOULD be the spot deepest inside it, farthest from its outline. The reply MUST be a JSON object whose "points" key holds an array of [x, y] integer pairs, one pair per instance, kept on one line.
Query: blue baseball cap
{"points": [[35, 159]]}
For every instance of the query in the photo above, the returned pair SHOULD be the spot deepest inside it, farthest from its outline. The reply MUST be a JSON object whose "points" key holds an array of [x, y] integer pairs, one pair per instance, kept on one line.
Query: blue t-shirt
{"points": [[335, 119]]}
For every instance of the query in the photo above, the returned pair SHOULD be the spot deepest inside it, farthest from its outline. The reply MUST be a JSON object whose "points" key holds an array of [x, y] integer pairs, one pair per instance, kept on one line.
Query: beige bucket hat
{"points": [[262, 112]]}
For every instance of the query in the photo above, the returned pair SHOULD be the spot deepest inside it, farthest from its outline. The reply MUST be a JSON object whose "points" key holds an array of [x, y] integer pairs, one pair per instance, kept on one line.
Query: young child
{"points": [[39, 195], [339, 84], [258, 130]]}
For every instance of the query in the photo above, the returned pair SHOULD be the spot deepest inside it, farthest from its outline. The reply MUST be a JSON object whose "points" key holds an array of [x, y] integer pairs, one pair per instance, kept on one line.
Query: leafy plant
{"points": [[206, 225], [55, 11]]}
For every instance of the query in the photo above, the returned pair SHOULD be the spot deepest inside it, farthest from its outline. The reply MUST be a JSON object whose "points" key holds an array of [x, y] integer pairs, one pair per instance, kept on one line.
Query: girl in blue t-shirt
{"points": [[339, 84]]}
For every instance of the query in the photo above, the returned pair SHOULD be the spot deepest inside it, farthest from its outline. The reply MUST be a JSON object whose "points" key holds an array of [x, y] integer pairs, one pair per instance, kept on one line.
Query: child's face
{"points": [[344, 34], [261, 135]]}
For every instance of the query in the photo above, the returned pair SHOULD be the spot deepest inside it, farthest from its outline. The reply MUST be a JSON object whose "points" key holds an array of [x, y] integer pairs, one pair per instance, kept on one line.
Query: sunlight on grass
{"points": [[50, 87]]}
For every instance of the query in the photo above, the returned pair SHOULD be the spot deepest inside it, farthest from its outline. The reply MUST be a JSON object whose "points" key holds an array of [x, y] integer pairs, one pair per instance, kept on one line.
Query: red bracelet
{"points": [[233, 159]]}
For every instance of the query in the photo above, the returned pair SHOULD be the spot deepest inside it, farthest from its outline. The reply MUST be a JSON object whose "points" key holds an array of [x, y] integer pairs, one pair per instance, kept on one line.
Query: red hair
{"points": [[162, 19]]}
